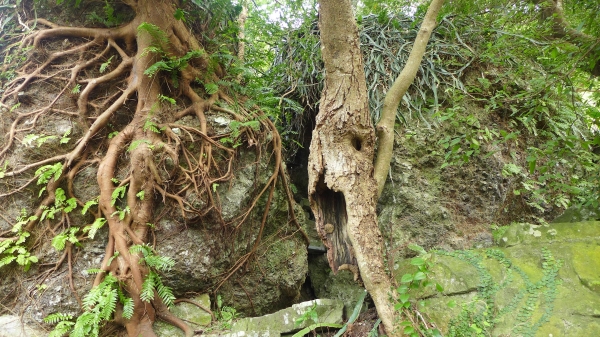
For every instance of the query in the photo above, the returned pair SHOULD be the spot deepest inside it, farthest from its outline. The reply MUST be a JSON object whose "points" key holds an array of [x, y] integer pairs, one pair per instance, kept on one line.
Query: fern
{"points": [[7, 260], [159, 38], [89, 204], [99, 305], [156, 67], [137, 143], [165, 293], [118, 193], [105, 65], [61, 239], [148, 287], [161, 263], [144, 249], [150, 125], [94, 227], [48, 171], [57, 317], [164, 98], [127, 303]]}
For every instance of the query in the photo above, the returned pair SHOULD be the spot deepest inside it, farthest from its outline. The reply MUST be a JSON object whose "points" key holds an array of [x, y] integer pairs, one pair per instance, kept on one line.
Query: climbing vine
{"points": [[479, 315]]}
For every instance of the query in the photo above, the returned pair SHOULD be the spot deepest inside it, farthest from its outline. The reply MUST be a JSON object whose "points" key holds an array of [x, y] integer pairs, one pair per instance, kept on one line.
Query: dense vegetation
{"points": [[529, 67]]}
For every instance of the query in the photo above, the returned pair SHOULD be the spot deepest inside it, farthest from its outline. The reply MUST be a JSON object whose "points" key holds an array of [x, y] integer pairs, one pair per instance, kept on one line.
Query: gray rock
{"points": [[284, 321], [12, 326]]}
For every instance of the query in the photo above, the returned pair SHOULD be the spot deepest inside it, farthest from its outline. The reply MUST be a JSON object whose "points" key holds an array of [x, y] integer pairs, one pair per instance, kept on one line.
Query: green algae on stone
{"points": [[538, 286], [196, 317], [586, 261]]}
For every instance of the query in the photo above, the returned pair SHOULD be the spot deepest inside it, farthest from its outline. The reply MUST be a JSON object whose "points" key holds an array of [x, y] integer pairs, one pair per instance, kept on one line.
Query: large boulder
{"points": [[540, 281]]}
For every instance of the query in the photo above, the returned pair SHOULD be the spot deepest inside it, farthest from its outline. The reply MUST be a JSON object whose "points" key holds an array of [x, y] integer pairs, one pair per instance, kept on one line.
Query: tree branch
{"points": [[385, 127]]}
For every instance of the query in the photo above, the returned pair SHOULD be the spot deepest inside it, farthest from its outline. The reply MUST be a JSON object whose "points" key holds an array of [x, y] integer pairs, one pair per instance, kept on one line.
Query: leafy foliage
{"points": [[14, 249], [478, 316], [409, 284], [59, 241], [99, 306], [152, 281]]}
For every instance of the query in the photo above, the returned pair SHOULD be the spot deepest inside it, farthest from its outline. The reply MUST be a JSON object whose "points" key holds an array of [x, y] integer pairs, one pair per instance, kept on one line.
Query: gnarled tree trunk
{"points": [[342, 190], [344, 185]]}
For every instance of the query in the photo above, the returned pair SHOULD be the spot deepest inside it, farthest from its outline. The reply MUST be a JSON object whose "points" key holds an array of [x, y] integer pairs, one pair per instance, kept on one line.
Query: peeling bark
{"points": [[342, 190]]}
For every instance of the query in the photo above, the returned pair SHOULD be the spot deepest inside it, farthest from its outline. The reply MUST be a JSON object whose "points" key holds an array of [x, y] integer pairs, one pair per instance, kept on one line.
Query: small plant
{"points": [[152, 282], [226, 315], [236, 130], [105, 65], [99, 306], [76, 89], [411, 282], [309, 315], [14, 249]]}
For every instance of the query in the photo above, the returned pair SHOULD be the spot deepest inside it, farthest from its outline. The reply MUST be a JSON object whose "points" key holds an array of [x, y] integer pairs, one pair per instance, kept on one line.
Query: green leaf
{"points": [[452, 304], [417, 261], [128, 308], [179, 14], [402, 289], [211, 88], [439, 287], [406, 278], [404, 297], [59, 241], [420, 276], [118, 193], [105, 65], [147, 293], [417, 248], [94, 227], [89, 204]]}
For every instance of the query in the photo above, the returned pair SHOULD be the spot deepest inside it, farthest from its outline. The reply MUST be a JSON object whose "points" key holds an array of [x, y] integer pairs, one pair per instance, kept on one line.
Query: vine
{"points": [[479, 315]]}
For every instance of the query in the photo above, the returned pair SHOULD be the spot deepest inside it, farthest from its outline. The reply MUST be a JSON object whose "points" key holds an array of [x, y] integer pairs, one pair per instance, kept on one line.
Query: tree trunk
{"points": [[342, 190]]}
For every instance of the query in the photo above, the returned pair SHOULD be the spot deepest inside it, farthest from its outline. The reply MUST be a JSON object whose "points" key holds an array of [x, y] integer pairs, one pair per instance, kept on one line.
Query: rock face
{"points": [[205, 249], [453, 207], [540, 281]]}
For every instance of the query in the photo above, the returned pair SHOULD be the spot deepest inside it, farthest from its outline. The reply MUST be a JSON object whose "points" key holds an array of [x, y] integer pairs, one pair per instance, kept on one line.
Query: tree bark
{"points": [[342, 190]]}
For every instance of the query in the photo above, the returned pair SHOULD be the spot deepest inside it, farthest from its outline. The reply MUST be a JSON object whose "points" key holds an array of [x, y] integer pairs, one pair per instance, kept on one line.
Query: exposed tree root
{"points": [[146, 143]]}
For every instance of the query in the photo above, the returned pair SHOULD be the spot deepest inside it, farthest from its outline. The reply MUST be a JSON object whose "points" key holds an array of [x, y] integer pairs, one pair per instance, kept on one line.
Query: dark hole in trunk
{"points": [[332, 213]]}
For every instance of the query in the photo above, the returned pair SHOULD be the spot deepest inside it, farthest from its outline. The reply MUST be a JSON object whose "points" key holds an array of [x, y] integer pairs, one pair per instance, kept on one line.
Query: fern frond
{"points": [[84, 325], [7, 260], [162, 263], [160, 38], [59, 241], [128, 308], [165, 293], [61, 329], [144, 249], [148, 288], [108, 304], [57, 317]]}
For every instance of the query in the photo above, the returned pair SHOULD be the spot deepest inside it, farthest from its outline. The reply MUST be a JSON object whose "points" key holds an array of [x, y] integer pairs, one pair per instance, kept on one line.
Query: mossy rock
{"points": [[545, 281], [196, 317]]}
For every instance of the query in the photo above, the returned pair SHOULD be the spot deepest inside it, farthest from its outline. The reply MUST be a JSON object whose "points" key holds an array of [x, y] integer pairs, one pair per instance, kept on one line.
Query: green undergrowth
{"points": [[530, 307], [480, 291]]}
